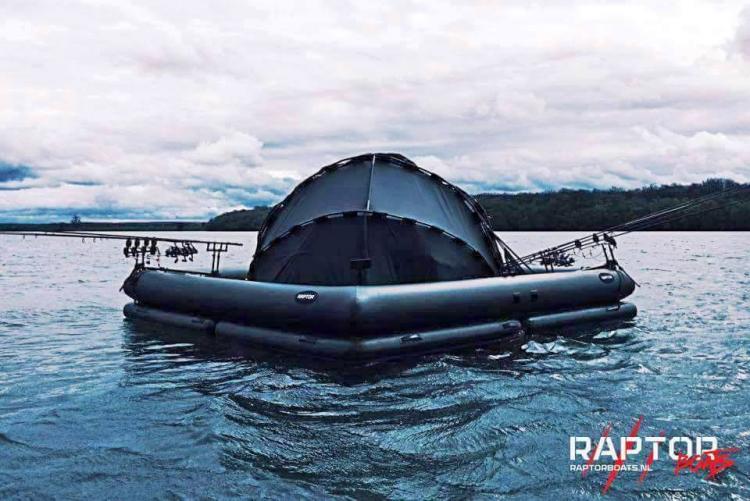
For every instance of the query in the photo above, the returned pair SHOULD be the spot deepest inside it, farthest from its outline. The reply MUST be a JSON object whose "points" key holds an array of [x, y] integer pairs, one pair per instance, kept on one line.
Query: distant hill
{"points": [[239, 220], [564, 210]]}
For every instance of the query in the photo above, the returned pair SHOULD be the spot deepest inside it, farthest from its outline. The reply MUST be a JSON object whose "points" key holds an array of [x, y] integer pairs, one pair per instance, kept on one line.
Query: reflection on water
{"points": [[92, 405]]}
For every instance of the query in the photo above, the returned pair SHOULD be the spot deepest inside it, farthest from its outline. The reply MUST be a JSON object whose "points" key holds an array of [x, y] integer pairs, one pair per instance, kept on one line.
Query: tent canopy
{"points": [[375, 219]]}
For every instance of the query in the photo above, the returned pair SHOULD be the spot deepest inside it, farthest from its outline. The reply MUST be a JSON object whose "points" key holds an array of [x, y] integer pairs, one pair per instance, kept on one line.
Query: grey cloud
{"points": [[741, 42], [10, 172], [186, 109]]}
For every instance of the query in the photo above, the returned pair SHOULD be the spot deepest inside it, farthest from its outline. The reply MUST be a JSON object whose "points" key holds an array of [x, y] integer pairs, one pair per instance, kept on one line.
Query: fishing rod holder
{"points": [[611, 262], [143, 249], [216, 249]]}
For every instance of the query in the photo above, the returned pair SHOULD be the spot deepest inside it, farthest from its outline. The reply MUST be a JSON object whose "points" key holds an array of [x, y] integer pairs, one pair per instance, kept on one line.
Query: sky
{"points": [[186, 109]]}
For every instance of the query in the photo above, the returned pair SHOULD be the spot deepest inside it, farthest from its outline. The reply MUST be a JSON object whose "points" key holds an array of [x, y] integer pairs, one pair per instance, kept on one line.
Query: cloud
{"points": [[235, 147], [742, 37], [10, 172], [184, 109]]}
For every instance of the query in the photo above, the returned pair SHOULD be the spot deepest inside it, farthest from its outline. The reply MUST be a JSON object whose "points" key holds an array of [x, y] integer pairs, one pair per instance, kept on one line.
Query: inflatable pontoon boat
{"points": [[374, 256]]}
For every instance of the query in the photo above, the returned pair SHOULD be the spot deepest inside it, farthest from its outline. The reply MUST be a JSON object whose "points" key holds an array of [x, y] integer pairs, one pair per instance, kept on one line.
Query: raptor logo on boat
{"points": [[306, 297], [606, 277]]}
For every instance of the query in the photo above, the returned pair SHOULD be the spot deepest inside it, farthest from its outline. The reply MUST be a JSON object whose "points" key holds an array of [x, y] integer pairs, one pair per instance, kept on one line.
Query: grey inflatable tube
{"points": [[612, 313], [387, 345], [179, 320], [355, 348], [376, 311]]}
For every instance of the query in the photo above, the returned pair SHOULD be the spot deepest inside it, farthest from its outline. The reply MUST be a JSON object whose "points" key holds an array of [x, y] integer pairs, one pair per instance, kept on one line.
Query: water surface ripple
{"points": [[94, 406]]}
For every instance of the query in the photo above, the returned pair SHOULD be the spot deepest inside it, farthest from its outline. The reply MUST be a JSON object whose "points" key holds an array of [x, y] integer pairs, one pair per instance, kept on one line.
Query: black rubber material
{"points": [[374, 311], [370, 321], [356, 348], [616, 312], [180, 320], [387, 345]]}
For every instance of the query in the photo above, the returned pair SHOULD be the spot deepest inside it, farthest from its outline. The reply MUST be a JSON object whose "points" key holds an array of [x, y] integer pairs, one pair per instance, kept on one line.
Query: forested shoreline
{"points": [[563, 210]]}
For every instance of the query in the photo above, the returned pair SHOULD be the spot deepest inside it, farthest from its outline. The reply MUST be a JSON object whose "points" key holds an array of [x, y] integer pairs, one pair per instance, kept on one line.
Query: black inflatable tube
{"points": [[354, 348], [357, 348], [192, 322], [374, 311], [386, 345], [617, 312]]}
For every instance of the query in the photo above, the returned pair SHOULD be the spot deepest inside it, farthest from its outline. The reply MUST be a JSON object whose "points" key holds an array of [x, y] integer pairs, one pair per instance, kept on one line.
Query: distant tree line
{"points": [[561, 210], [575, 209], [107, 226], [600, 209]]}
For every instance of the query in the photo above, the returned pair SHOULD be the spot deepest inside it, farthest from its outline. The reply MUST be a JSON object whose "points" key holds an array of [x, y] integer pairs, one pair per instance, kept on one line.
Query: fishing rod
{"points": [[557, 255], [653, 219], [682, 216], [142, 248], [698, 201], [108, 236], [665, 216], [672, 215]]}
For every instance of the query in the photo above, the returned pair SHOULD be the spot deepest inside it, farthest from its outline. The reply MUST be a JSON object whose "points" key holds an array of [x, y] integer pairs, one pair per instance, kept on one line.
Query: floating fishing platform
{"points": [[374, 256]]}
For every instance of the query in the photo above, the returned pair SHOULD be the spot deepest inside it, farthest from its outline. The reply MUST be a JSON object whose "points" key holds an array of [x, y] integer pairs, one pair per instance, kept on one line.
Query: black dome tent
{"points": [[375, 219]]}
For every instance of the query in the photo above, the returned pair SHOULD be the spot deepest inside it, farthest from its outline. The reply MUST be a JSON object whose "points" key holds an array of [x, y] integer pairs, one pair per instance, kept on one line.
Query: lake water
{"points": [[94, 406]]}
